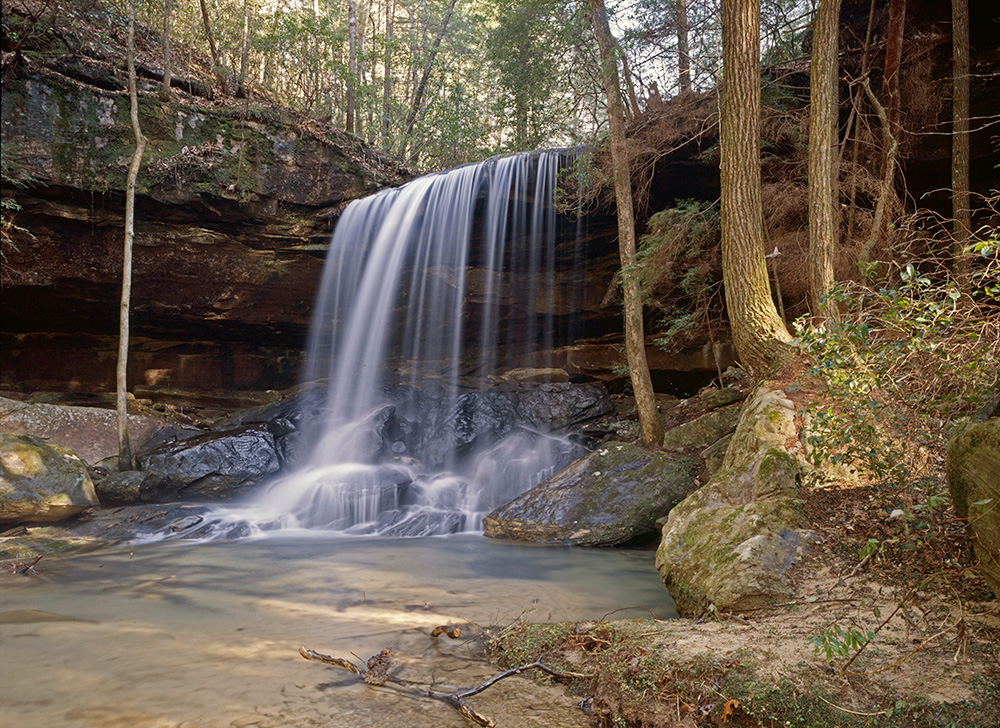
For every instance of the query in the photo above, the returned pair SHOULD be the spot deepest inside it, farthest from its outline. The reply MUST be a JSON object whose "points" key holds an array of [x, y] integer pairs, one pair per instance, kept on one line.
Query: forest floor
{"points": [[890, 625]]}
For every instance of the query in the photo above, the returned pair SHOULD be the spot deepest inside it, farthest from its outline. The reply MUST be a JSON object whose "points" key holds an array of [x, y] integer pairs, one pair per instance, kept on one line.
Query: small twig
{"points": [[885, 621], [537, 664], [906, 657], [28, 568], [852, 712]]}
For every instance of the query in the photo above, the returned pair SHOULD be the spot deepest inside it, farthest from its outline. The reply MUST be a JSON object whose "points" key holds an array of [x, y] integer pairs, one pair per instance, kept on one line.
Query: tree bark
{"points": [[635, 342], [124, 446], [683, 51], [167, 67], [759, 334], [962, 225], [824, 218], [422, 86]]}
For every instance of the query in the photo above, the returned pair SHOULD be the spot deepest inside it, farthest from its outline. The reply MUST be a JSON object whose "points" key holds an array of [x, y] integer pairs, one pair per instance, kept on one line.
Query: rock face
{"points": [[974, 483], [91, 433], [732, 542], [234, 206], [609, 496], [41, 482]]}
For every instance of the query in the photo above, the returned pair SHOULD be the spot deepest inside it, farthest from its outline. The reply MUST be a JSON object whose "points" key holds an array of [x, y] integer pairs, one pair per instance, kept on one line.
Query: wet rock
{"points": [[974, 484], [90, 432], [559, 405], [102, 526], [732, 542], [607, 497], [475, 421], [124, 487], [214, 465], [40, 482]]}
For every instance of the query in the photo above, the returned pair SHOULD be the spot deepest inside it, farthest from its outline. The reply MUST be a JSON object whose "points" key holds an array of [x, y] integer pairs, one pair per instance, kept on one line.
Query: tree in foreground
{"points": [[824, 222], [761, 338], [635, 341]]}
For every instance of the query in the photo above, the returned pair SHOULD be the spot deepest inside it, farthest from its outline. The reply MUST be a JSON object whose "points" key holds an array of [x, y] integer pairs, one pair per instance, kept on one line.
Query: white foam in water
{"points": [[396, 289]]}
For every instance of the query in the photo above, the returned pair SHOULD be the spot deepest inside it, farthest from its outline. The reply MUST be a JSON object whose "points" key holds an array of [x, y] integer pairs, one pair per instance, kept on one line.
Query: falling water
{"points": [[420, 289]]}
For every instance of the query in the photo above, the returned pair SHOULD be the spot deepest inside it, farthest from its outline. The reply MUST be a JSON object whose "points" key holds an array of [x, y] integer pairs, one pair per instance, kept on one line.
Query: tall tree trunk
{"points": [[635, 341], [390, 9], [124, 446], [893, 56], [352, 61], [216, 59], [418, 95], [244, 50], [824, 218], [758, 332], [683, 52], [167, 68], [962, 225]]}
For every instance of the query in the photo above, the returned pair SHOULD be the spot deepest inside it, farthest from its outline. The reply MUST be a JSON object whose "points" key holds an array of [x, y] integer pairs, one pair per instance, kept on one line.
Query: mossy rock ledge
{"points": [[974, 484], [40, 482], [605, 498], [731, 543]]}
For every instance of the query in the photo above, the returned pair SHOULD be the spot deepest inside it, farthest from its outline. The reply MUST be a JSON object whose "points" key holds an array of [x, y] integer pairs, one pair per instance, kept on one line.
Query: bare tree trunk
{"points": [[167, 68], [352, 61], [422, 86], [683, 52], [824, 220], [390, 9], [635, 341], [758, 332], [629, 85], [124, 447], [216, 59], [962, 225]]}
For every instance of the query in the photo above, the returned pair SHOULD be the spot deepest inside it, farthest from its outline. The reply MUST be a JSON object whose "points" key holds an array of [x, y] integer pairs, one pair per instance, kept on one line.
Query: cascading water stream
{"points": [[419, 291]]}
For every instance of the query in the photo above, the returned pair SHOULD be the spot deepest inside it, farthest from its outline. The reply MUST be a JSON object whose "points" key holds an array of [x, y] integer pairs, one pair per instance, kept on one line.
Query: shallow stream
{"points": [[207, 635]]}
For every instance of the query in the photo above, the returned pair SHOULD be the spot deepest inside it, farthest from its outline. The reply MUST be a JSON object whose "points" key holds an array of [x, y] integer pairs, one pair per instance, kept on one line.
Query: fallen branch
{"points": [[378, 675], [29, 567]]}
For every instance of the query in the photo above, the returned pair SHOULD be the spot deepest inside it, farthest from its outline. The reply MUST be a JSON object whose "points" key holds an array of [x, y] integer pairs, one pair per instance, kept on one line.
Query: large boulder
{"points": [[974, 483], [90, 432], [41, 482], [215, 465], [732, 542], [609, 496]]}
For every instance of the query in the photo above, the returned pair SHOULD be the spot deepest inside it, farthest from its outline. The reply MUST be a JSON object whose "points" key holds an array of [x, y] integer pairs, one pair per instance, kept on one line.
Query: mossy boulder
{"points": [[41, 482], [703, 431], [609, 496], [732, 542], [974, 483]]}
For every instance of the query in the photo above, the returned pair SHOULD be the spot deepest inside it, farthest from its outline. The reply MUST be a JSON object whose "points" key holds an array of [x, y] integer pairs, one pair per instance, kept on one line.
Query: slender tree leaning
{"points": [[761, 338], [962, 223], [635, 342], [124, 447], [824, 218]]}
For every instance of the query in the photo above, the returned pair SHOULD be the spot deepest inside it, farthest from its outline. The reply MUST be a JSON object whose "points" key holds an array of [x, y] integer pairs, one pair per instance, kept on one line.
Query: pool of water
{"points": [[207, 635]]}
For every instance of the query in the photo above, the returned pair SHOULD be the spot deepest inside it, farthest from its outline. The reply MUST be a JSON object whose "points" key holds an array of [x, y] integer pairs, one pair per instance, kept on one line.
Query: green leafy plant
{"points": [[835, 641]]}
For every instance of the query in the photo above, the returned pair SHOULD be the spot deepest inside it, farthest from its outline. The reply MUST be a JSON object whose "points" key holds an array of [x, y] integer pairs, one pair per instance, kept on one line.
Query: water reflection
{"points": [[207, 635]]}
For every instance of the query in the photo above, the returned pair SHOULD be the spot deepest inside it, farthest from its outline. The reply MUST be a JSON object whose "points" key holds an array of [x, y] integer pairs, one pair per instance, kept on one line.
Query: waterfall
{"points": [[429, 289]]}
